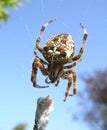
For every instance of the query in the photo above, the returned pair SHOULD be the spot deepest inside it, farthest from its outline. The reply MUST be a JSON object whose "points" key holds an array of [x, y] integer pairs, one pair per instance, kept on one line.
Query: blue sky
{"points": [[17, 41]]}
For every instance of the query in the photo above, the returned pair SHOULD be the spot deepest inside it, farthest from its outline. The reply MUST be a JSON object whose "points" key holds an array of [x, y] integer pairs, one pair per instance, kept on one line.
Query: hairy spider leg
{"points": [[38, 63], [66, 75], [41, 33], [78, 56], [73, 64]]}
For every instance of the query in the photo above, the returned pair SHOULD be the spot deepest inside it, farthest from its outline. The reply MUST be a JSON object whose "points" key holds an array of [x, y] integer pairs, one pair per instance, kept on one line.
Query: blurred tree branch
{"points": [[93, 101], [4, 4]]}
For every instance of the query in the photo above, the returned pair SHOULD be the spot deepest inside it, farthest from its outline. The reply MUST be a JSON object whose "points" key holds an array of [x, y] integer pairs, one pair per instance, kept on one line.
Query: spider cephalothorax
{"points": [[58, 51]]}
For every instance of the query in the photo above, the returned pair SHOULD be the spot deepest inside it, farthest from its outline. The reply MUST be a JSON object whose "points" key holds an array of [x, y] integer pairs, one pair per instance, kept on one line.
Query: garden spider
{"points": [[58, 51]]}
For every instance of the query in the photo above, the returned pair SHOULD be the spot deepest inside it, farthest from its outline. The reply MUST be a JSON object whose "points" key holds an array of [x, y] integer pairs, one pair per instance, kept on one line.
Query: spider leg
{"points": [[66, 75], [73, 64], [41, 33], [79, 55], [74, 82], [42, 61], [37, 64]]}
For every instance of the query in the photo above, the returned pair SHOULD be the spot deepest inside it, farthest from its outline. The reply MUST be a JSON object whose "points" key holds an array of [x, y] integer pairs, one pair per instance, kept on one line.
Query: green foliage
{"points": [[4, 5], [20, 127]]}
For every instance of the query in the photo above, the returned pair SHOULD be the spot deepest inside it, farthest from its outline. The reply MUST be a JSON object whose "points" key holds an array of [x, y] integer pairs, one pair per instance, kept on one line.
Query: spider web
{"points": [[42, 6], [42, 3], [65, 25]]}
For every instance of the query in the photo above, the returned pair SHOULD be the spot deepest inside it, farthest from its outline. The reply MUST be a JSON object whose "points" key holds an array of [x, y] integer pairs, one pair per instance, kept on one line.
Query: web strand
{"points": [[43, 11]]}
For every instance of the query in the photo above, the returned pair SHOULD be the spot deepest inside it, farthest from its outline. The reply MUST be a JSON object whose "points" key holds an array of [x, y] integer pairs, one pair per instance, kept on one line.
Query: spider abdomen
{"points": [[59, 49]]}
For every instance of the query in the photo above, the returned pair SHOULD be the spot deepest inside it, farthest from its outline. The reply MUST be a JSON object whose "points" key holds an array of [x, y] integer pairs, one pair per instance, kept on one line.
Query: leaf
{"points": [[21, 126]]}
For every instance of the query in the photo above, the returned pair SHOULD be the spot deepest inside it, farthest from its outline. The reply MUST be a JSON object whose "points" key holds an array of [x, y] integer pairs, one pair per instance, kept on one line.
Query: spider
{"points": [[58, 51]]}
